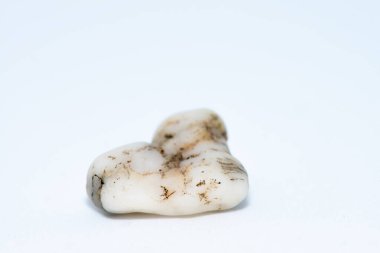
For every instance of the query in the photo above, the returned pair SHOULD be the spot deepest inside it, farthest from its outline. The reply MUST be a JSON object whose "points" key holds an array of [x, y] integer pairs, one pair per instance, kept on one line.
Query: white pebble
{"points": [[187, 169]]}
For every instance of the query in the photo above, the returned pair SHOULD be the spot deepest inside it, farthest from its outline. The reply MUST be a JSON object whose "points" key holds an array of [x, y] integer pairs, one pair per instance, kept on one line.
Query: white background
{"points": [[297, 83]]}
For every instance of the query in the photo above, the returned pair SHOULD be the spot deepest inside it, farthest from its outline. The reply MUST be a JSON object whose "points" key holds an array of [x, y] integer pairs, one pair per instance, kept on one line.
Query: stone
{"points": [[187, 169]]}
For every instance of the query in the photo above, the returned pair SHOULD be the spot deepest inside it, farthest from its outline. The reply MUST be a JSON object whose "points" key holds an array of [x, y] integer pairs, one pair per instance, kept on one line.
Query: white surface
{"points": [[297, 84]]}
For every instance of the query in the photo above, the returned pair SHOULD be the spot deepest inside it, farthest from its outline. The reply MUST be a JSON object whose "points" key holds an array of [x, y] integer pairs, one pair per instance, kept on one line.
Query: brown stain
{"points": [[183, 172], [118, 168], [211, 185], [204, 198], [192, 156], [187, 181], [202, 182], [173, 161], [166, 193], [212, 129], [168, 136], [146, 148], [215, 128], [111, 157], [230, 166], [237, 179], [214, 183], [162, 173]]}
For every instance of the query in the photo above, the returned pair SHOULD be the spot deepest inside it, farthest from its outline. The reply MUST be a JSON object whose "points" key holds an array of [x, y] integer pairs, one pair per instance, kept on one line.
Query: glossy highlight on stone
{"points": [[187, 169]]}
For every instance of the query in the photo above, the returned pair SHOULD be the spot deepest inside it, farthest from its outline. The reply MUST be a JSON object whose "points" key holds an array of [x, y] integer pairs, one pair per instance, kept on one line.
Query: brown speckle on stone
{"points": [[229, 166], [191, 156], [202, 182], [168, 136], [173, 161], [236, 179], [204, 198], [166, 194]]}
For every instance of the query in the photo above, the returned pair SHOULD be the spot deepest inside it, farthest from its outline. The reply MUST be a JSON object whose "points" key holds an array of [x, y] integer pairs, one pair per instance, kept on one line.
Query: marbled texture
{"points": [[187, 169]]}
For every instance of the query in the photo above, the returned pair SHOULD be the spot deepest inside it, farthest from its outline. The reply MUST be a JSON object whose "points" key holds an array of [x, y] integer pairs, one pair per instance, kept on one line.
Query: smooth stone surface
{"points": [[187, 169]]}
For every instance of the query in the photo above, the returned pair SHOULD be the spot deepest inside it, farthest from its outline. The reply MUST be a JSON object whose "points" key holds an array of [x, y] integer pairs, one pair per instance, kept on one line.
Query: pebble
{"points": [[186, 169]]}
